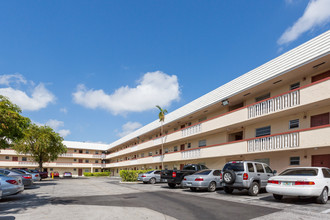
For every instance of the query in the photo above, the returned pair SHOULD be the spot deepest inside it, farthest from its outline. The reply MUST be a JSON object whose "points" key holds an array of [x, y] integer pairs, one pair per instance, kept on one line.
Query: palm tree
{"points": [[161, 117]]}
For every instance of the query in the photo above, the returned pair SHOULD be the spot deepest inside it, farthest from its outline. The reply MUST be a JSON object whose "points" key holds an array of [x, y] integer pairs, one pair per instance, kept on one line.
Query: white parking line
{"points": [[326, 211]]}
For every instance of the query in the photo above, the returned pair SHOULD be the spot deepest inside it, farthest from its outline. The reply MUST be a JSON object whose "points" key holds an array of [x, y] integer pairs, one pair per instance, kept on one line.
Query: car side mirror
{"points": [[274, 172]]}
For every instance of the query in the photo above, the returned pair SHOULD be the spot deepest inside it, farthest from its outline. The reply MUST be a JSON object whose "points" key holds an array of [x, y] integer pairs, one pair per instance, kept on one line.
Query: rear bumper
{"points": [[195, 184], [294, 190]]}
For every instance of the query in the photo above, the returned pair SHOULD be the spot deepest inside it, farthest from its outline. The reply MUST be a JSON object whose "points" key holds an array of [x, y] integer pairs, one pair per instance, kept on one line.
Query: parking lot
{"points": [[107, 198]]}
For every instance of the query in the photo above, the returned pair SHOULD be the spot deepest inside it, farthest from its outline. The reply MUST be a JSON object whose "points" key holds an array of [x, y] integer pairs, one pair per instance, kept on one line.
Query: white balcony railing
{"points": [[191, 154], [133, 162], [274, 104], [191, 130], [157, 159], [27, 163], [274, 142], [159, 140]]}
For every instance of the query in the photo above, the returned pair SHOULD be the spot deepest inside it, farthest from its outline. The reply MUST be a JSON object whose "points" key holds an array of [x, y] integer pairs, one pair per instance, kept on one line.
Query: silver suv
{"points": [[249, 175]]}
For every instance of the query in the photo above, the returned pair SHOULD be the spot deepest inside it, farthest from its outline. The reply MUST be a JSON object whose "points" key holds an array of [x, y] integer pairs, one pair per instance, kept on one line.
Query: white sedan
{"points": [[301, 181]]}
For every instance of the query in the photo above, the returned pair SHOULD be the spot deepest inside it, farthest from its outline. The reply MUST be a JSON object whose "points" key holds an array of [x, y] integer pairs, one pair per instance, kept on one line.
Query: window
{"points": [[96, 170], [142, 154], [189, 123], [24, 159], [166, 167], [86, 170], [201, 143], [294, 160], [150, 153], [7, 157], [202, 119], [326, 173], [318, 120], [175, 129], [294, 123], [262, 97], [156, 152], [267, 168], [216, 173], [157, 172], [75, 150], [80, 151], [86, 161], [51, 169], [250, 167], [259, 168], [263, 131], [96, 161], [96, 152], [189, 145], [87, 152], [175, 148], [74, 160], [294, 85]]}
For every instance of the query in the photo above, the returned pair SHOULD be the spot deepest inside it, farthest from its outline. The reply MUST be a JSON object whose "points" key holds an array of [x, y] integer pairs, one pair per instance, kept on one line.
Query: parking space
{"points": [[104, 198]]}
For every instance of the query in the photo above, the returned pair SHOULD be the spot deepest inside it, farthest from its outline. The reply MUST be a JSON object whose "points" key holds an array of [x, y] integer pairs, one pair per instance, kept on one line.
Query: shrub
{"points": [[97, 174], [130, 175]]}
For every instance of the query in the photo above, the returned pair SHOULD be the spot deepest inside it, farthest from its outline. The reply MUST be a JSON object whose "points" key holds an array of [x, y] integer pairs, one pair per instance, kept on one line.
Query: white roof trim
{"points": [[86, 146]]}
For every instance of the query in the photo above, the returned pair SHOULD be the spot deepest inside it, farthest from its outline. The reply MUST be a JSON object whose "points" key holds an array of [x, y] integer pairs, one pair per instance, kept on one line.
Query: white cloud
{"points": [[317, 13], [64, 132], [55, 124], [128, 128], [40, 97], [155, 88], [64, 110], [12, 78]]}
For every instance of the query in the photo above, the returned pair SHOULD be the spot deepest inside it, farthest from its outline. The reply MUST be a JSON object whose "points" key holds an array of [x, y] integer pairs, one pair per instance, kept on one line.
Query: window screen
{"points": [[294, 160], [262, 97], [294, 123], [201, 143], [294, 85], [263, 131]]}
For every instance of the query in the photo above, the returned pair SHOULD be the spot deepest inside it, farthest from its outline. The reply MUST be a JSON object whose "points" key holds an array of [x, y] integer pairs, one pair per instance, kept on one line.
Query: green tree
{"points": [[42, 143], [161, 117], [12, 124]]}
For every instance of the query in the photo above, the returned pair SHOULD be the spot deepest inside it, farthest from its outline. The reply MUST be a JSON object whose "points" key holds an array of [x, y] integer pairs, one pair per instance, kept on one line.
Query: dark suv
{"points": [[250, 175]]}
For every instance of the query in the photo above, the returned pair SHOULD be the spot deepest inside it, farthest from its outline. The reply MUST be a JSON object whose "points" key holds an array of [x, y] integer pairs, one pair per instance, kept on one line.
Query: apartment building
{"points": [[277, 113]]}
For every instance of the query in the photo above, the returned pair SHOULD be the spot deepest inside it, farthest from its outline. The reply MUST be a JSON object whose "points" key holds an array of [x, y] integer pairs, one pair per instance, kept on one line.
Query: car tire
{"points": [[323, 198], [193, 189], [228, 190], [212, 187], [254, 189], [229, 176], [277, 196], [152, 181], [171, 185]]}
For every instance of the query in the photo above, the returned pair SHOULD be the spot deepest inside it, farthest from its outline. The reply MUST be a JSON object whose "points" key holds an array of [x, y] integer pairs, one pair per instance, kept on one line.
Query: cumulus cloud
{"points": [[128, 128], [56, 124], [154, 88], [39, 98], [64, 110], [317, 13], [64, 132]]}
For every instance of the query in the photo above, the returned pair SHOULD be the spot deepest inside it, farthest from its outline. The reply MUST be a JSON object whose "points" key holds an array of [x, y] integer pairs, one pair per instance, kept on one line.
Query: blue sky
{"points": [[94, 70]]}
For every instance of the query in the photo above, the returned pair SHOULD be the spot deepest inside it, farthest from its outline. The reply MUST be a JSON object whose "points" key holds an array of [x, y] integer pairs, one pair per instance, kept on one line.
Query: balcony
{"points": [[195, 129], [274, 104], [282, 141], [87, 156], [191, 154]]}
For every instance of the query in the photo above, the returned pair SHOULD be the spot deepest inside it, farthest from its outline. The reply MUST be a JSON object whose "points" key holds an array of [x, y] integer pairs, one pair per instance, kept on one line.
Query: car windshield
{"points": [[33, 171], [299, 172], [234, 166], [149, 172], [203, 172], [17, 171]]}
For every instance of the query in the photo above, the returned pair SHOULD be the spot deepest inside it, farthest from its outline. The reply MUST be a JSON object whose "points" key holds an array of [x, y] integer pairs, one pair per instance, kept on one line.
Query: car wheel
{"points": [[171, 185], [229, 176], [254, 189], [152, 181], [193, 189], [323, 198], [277, 197], [228, 190], [212, 187]]}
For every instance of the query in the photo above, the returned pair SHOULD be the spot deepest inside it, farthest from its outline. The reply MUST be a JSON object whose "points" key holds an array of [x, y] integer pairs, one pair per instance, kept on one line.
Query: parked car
{"points": [[204, 179], [56, 174], [250, 175], [43, 175], [175, 177], [10, 185], [67, 175], [25, 178], [151, 177], [301, 181], [35, 176]]}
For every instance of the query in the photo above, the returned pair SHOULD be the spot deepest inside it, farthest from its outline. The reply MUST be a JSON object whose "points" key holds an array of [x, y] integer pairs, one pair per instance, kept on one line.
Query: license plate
{"points": [[286, 183], [188, 184]]}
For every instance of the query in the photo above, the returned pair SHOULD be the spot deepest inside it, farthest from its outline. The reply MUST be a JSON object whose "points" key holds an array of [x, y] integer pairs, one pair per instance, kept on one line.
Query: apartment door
{"points": [[321, 76], [79, 172], [15, 159], [182, 147], [80, 160], [181, 166], [321, 160], [160, 151], [318, 120]]}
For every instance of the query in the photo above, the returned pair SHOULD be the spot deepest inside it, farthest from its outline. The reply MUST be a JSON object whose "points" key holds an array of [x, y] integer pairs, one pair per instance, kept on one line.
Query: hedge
{"points": [[130, 175], [97, 174]]}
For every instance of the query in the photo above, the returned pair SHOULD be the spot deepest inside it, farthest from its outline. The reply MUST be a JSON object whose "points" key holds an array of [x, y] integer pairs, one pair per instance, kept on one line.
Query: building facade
{"points": [[277, 113]]}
